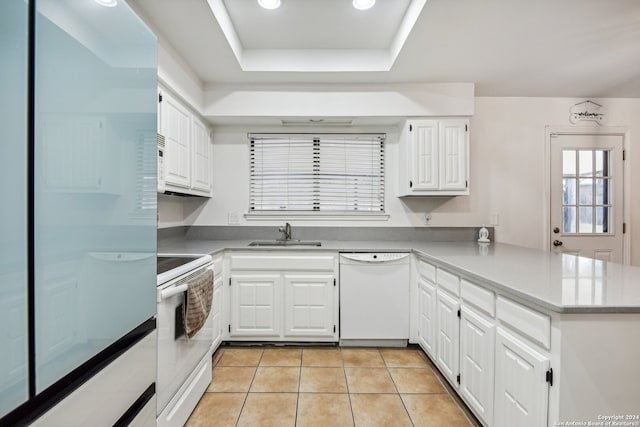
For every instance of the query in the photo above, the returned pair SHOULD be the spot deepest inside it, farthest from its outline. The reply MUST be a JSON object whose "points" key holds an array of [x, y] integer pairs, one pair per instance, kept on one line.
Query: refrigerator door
{"points": [[95, 181], [13, 214]]}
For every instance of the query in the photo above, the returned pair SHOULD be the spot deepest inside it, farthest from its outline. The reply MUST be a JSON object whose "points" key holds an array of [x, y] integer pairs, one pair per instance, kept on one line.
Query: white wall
{"points": [[231, 189], [507, 172], [170, 211], [173, 71], [508, 135]]}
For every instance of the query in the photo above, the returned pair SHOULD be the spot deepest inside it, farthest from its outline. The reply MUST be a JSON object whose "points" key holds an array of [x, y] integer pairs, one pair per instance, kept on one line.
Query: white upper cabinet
{"points": [[187, 154], [176, 123], [200, 158], [423, 143], [434, 158], [453, 154]]}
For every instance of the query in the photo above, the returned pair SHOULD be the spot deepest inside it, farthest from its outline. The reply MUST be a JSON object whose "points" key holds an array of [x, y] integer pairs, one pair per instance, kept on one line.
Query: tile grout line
{"points": [[447, 391], [344, 372], [295, 421], [440, 377], [246, 396], [398, 392]]}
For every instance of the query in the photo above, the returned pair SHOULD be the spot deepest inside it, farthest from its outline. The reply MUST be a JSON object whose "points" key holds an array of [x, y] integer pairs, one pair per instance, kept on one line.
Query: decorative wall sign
{"points": [[587, 111]]}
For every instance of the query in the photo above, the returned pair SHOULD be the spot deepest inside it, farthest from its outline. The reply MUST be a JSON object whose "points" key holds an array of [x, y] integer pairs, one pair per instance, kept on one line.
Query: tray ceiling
{"points": [[575, 48], [314, 35]]}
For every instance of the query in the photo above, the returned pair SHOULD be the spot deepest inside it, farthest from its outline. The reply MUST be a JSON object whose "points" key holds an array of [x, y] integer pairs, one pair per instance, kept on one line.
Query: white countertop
{"points": [[543, 280]]}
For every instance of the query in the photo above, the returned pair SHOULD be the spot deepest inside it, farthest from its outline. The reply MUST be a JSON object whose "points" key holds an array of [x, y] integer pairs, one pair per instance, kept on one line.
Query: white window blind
{"points": [[320, 172]]}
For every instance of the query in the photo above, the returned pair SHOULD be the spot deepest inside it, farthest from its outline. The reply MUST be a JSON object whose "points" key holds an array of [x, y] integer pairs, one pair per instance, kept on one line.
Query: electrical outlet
{"points": [[234, 218], [495, 218], [427, 218]]}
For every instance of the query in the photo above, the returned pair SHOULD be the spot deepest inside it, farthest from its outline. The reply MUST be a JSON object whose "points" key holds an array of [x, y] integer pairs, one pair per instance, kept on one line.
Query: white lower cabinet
{"points": [[427, 316], [308, 305], [448, 342], [477, 349], [521, 391], [283, 297], [216, 311], [255, 305], [499, 374]]}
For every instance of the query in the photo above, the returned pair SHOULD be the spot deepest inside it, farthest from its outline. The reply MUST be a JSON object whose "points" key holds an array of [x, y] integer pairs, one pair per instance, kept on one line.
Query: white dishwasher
{"points": [[374, 299]]}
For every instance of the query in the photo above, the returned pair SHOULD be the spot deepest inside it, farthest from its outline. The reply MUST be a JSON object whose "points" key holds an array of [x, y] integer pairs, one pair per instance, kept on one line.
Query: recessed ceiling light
{"points": [[363, 4], [270, 4], [107, 3]]}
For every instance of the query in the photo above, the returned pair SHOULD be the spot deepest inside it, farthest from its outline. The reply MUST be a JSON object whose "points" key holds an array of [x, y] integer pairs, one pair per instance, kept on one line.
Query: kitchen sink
{"points": [[285, 243]]}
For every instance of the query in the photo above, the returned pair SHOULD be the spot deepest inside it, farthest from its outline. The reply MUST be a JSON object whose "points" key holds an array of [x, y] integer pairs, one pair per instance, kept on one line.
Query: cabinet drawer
{"points": [[283, 262], [534, 325], [481, 298], [427, 270], [448, 281]]}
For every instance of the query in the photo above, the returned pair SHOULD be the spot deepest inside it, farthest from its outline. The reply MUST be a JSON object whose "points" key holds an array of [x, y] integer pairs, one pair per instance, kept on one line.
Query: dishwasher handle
{"points": [[377, 258]]}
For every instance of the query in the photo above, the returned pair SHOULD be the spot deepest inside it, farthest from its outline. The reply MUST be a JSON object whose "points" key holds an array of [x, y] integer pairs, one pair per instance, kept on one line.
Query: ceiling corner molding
{"points": [[409, 21], [226, 25], [316, 60]]}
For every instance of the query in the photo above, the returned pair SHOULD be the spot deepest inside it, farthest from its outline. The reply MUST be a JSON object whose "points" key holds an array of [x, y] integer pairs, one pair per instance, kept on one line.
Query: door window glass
{"points": [[586, 195]]}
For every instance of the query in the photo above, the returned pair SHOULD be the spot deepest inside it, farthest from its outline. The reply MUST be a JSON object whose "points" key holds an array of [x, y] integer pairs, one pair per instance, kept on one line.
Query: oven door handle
{"points": [[174, 290]]}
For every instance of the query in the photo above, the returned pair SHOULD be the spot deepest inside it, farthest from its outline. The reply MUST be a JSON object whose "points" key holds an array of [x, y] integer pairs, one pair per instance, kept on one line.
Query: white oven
{"points": [[184, 365]]}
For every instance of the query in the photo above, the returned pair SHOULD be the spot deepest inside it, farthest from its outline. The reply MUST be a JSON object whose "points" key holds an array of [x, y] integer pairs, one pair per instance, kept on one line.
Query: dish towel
{"points": [[197, 304]]}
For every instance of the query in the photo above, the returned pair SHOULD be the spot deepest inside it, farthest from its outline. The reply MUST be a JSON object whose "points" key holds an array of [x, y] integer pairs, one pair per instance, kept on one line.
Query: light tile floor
{"points": [[325, 387]]}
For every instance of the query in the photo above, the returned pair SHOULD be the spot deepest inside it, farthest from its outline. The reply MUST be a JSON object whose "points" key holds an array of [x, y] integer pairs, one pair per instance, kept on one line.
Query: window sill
{"points": [[314, 216]]}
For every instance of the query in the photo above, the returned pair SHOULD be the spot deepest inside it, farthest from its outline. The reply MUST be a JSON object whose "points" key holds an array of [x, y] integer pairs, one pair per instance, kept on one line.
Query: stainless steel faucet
{"points": [[286, 230]]}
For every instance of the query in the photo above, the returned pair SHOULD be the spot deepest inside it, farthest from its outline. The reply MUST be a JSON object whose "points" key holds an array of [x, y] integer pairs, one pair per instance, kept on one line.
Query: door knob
{"points": [[557, 243], [556, 230]]}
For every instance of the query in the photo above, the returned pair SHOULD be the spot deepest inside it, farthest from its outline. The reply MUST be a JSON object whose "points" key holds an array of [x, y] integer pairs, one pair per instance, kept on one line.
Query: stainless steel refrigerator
{"points": [[78, 219]]}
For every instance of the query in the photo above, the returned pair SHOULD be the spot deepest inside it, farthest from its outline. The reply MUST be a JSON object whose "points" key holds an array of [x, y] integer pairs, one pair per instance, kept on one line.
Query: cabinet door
{"points": [[176, 122], [521, 391], [427, 316], [255, 305], [200, 157], [423, 155], [453, 154], [477, 337], [216, 311], [447, 346], [309, 308]]}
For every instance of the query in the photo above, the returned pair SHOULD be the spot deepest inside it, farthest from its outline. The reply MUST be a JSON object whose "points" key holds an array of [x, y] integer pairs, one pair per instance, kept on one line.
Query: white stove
{"points": [[184, 365], [171, 266]]}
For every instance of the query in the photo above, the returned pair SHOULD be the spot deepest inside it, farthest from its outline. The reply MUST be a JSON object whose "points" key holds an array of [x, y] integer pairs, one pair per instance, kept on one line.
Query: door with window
{"points": [[587, 195]]}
